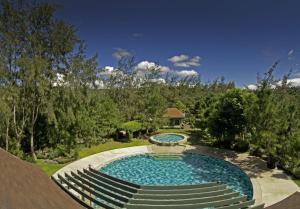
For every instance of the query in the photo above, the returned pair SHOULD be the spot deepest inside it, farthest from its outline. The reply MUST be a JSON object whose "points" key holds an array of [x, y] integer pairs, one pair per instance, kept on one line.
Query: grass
{"points": [[297, 181], [50, 169], [111, 145]]}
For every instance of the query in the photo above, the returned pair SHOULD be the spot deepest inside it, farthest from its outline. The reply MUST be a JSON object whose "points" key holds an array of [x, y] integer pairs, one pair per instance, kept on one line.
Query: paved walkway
{"points": [[269, 186]]}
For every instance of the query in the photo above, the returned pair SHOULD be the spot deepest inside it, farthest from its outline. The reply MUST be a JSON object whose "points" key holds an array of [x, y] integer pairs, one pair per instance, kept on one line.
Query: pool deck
{"points": [[269, 186], [170, 143]]}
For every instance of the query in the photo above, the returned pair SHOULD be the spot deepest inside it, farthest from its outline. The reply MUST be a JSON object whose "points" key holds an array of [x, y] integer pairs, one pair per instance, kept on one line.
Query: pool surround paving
{"points": [[173, 143], [269, 186]]}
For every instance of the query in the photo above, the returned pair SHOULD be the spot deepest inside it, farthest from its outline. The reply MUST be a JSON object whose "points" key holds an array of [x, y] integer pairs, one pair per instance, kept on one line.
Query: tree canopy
{"points": [[54, 99]]}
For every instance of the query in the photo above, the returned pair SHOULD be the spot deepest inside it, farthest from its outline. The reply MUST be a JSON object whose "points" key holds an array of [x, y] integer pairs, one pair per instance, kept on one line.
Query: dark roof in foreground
{"points": [[24, 186], [291, 202], [173, 112]]}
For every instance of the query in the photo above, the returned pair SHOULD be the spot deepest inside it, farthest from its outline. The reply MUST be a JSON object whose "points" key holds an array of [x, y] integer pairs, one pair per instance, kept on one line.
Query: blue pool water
{"points": [[168, 137], [190, 169]]}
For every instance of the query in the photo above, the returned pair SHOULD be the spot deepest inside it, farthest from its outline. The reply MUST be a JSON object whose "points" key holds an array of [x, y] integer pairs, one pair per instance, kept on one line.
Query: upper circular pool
{"points": [[185, 169], [168, 139]]}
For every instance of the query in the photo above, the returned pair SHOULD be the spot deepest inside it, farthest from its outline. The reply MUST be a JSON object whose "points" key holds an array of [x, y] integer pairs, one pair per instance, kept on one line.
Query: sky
{"points": [[232, 38]]}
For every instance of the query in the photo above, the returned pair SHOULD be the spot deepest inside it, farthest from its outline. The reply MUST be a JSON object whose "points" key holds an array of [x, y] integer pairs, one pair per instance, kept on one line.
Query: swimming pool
{"points": [[188, 169], [168, 139]]}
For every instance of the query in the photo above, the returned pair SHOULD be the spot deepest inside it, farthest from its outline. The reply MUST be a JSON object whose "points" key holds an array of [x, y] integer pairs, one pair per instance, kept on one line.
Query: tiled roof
{"points": [[173, 112], [24, 186]]}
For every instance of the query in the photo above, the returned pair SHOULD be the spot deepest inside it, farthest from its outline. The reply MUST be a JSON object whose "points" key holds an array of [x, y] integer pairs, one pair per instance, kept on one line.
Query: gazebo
{"points": [[174, 115]]}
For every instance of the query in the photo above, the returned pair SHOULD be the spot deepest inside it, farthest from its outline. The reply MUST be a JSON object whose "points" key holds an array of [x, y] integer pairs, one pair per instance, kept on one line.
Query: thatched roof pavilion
{"points": [[174, 115]]}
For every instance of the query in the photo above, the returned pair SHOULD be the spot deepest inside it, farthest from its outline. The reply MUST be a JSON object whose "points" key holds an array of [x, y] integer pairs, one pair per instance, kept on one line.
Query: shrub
{"points": [[241, 146], [256, 150], [131, 127], [296, 172]]}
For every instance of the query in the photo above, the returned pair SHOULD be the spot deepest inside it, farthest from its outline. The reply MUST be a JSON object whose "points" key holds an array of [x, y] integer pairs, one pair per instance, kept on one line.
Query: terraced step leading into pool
{"points": [[181, 196], [94, 189], [178, 149], [182, 191], [166, 156]]}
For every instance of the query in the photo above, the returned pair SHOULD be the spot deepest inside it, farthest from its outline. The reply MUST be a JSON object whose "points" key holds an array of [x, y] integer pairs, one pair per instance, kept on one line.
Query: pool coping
{"points": [[267, 188], [182, 141]]}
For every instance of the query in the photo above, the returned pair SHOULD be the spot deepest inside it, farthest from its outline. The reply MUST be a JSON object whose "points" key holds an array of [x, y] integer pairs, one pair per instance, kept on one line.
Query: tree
{"points": [[229, 119], [33, 45], [5, 123], [264, 135], [131, 127]]}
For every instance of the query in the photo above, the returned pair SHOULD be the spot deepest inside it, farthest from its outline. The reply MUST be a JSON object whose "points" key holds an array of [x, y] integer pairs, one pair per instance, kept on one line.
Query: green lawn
{"points": [[297, 181], [111, 145], [84, 152], [48, 168]]}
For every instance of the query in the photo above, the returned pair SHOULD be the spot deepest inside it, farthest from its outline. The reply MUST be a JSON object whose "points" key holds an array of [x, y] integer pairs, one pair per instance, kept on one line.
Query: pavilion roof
{"points": [[173, 112]]}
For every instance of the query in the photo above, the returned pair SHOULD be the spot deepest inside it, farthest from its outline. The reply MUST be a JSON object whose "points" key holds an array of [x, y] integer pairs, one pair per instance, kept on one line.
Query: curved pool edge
{"points": [[100, 159], [182, 141], [266, 189]]}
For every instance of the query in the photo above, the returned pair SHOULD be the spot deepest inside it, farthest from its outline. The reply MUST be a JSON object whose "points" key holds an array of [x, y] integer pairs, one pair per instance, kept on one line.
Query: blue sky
{"points": [[233, 38]]}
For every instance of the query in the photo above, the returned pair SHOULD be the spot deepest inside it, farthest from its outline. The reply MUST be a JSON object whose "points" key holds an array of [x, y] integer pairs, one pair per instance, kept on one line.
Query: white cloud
{"points": [[291, 52], [158, 80], [178, 58], [109, 70], [185, 73], [295, 82], [255, 87], [252, 87], [184, 61], [59, 80], [181, 64], [99, 84], [121, 53], [146, 66]]}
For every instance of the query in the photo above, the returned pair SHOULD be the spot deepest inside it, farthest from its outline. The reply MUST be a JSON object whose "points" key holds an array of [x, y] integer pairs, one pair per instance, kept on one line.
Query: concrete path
{"points": [[269, 186], [98, 160]]}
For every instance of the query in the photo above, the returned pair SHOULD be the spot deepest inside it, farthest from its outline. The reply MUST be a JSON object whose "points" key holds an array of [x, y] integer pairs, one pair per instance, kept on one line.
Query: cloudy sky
{"points": [[233, 38]]}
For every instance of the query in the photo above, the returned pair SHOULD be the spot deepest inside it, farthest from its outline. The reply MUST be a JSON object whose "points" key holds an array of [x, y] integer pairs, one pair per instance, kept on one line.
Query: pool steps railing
{"points": [[93, 188], [95, 193], [78, 198], [80, 194]]}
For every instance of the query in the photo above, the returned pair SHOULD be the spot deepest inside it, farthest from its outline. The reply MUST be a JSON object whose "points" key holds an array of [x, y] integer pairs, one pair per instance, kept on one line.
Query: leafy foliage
{"points": [[54, 99]]}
